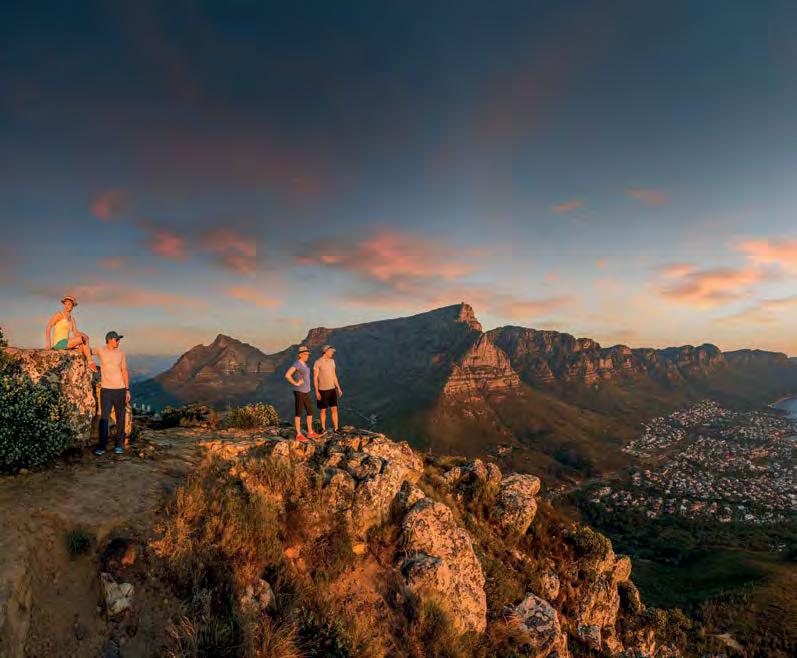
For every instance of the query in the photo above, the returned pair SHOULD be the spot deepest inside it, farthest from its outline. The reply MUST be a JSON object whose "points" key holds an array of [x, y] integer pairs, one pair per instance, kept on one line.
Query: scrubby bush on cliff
{"points": [[252, 416], [189, 415], [590, 544], [3, 341], [34, 421]]}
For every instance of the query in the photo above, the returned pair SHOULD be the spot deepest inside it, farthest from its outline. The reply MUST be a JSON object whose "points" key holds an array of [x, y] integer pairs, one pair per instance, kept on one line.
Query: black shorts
{"points": [[328, 398], [302, 401]]}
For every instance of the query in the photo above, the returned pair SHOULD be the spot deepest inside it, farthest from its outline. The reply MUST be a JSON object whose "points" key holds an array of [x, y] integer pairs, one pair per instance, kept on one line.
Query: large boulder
{"points": [[516, 506], [540, 632], [439, 561], [67, 373]]}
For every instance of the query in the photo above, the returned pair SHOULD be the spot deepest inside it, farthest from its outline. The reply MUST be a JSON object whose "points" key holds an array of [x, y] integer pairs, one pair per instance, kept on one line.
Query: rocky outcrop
{"points": [[516, 506], [65, 372], [540, 631], [439, 561]]}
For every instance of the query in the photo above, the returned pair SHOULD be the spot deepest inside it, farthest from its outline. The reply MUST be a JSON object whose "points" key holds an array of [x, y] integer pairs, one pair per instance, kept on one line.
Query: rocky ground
{"points": [[214, 542]]}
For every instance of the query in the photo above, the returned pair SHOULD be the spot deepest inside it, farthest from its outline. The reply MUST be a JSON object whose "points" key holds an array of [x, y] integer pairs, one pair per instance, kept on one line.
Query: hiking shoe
{"points": [[118, 451], [339, 431], [99, 452], [301, 438], [313, 435]]}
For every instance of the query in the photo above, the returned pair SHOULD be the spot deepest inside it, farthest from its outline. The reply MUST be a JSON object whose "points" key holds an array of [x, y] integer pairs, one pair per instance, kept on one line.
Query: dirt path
{"points": [[49, 600]]}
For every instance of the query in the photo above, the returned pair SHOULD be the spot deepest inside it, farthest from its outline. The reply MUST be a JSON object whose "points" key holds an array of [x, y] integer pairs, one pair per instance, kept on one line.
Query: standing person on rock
{"points": [[298, 377], [62, 334], [114, 391], [327, 387]]}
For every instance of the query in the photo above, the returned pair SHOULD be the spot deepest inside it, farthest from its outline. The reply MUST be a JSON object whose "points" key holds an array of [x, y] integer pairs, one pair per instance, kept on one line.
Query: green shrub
{"points": [[189, 415], [252, 416], [34, 421], [78, 542], [590, 544], [324, 634], [3, 341]]}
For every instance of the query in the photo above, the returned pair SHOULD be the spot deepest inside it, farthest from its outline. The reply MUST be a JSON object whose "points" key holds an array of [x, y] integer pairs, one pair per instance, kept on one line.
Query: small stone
{"points": [[359, 548], [292, 552]]}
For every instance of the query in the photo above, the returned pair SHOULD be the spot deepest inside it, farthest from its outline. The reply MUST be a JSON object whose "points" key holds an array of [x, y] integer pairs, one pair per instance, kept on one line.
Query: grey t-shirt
{"points": [[303, 373], [326, 373]]}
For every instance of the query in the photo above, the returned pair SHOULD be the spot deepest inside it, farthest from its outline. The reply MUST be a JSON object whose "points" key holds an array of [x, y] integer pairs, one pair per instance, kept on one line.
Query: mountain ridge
{"points": [[540, 390]]}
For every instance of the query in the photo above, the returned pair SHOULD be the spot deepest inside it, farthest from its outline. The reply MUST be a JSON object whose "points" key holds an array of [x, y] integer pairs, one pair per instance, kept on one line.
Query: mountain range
{"points": [[442, 382]]}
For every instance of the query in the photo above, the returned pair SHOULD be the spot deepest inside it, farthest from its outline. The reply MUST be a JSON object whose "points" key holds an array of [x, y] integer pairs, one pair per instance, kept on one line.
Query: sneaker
{"points": [[99, 452], [339, 431], [119, 451], [301, 438], [313, 435]]}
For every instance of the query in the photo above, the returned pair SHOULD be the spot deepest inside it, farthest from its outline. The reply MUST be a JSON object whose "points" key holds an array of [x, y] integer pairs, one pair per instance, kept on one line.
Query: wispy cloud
{"points": [[166, 243], [110, 204], [398, 261], [253, 296], [676, 270], [113, 263], [649, 196], [708, 288], [567, 206], [767, 311], [114, 294], [232, 250], [781, 252]]}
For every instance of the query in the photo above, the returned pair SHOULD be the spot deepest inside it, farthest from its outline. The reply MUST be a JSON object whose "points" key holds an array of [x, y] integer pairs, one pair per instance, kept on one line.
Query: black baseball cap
{"points": [[112, 334]]}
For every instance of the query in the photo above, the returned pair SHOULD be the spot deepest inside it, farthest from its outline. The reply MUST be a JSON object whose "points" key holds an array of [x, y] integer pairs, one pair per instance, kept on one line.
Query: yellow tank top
{"points": [[61, 330]]}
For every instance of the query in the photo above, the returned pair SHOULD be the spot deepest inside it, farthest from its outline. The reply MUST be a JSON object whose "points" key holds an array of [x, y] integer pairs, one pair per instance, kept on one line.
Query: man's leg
{"points": [[334, 411], [323, 415], [297, 423], [120, 408], [105, 415]]}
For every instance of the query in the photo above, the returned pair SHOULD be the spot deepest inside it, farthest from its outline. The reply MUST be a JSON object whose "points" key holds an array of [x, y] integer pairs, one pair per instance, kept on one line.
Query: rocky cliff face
{"points": [[65, 372], [546, 357]]}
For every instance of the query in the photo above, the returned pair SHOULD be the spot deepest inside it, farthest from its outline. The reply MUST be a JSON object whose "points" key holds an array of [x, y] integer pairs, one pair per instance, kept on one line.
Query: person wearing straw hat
{"points": [[62, 333], [327, 387], [298, 377]]}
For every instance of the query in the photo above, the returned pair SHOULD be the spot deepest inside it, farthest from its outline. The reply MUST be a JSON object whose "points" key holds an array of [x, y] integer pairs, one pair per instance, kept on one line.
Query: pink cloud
{"points": [[110, 204], [601, 263], [713, 287], [567, 206], [232, 250], [253, 296], [166, 243], [397, 260], [650, 196], [677, 270], [776, 251]]}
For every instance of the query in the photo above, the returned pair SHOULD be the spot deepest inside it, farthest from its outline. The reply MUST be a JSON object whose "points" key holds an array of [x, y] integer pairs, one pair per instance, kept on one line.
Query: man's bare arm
{"points": [[48, 330]]}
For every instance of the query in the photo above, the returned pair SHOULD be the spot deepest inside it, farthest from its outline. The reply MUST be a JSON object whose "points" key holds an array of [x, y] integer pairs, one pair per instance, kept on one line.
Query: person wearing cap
{"points": [[114, 391], [327, 387], [298, 377], [62, 334]]}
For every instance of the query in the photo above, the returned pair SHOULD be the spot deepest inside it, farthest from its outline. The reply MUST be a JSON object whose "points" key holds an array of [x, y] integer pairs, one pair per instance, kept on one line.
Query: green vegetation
{"points": [[34, 421], [252, 416], [3, 341], [590, 544], [78, 542], [189, 415]]}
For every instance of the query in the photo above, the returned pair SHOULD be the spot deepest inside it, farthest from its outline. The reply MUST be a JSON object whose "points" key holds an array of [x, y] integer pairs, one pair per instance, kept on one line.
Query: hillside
{"points": [[251, 544], [438, 379]]}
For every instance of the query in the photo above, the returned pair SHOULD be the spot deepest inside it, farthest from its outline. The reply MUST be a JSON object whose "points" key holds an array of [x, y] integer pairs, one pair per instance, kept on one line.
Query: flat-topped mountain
{"points": [[446, 384]]}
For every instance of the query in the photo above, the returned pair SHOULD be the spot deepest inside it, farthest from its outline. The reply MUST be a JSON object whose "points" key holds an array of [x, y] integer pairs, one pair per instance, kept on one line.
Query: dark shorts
{"points": [[302, 401], [328, 398]]}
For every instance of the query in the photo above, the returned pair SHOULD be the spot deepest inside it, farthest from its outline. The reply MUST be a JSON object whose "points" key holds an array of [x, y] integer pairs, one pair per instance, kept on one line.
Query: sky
{"points": [[625, 171]]}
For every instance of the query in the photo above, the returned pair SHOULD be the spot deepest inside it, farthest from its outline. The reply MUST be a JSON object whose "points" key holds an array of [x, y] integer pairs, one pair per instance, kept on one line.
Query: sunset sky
{"points": [[620, 170]]}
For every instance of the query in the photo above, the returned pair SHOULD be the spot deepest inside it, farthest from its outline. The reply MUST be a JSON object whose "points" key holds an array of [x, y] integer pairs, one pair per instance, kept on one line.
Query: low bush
{"points": [[78, 542], [189, 415], [590, 544], [252, 416], [35, 425]]}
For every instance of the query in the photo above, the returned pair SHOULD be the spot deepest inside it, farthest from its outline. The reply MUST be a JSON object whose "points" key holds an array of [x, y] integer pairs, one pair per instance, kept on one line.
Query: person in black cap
{"points": [[114, 391]]}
